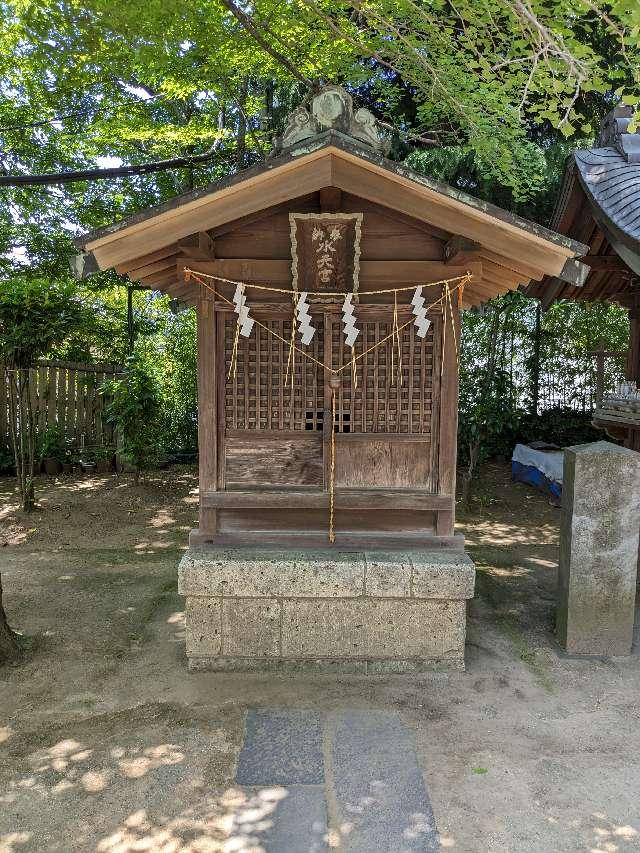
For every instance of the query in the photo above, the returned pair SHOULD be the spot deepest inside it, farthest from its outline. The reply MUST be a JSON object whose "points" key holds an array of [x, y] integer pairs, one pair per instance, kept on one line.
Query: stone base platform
{"points": [[360, 612]]}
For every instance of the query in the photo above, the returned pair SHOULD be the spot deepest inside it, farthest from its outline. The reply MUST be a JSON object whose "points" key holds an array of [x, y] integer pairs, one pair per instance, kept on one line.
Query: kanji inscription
{"points": [[325, 251]]}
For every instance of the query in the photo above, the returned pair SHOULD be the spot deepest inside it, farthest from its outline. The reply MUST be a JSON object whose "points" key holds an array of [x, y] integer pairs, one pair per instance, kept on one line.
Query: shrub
{"points": [[134, 411]]}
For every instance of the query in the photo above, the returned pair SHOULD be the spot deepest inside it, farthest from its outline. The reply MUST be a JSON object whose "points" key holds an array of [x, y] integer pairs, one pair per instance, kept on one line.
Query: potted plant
{"points": [[88, 460], [70, 458], [52, 450], [104, 459]]}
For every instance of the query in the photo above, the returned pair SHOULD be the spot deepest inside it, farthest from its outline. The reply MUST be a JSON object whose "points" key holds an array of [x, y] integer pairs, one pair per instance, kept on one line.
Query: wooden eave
{"points": [[508, 251], [610, 279]]}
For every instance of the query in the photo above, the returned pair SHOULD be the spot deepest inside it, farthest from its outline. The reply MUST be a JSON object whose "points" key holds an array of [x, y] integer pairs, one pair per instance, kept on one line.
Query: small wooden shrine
{"points": [[599, 204], [328, 284]]}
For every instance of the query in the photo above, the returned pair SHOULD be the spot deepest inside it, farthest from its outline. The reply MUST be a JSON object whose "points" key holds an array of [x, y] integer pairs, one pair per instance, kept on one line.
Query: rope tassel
{"points": [[334, 384]]}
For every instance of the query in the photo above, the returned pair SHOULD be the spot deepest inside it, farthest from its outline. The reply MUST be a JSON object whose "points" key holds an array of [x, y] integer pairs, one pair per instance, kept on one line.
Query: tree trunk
{"points": [[22, 431], [9, 646], [475, 446], [241, 135], [467, 477], [535, 366]]}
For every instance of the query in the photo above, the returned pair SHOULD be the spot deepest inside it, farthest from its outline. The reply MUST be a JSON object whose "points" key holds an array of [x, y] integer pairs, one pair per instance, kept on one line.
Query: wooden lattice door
{"points": [[273, 428], [386, 422], [277, 431]]}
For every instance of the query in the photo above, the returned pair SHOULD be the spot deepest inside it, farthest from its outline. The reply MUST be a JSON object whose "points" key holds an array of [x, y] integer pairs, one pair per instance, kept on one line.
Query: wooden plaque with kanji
{"points": [[325, 251]]}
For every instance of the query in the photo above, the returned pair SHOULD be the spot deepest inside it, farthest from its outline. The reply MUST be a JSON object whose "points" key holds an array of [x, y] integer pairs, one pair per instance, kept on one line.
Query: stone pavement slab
{"points": [[281, 747], [350, 779], [283, 820], [378, 784]]}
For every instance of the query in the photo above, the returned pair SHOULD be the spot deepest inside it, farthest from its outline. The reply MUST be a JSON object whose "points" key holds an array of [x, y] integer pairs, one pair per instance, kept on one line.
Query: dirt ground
{"points": [[107, 743]]}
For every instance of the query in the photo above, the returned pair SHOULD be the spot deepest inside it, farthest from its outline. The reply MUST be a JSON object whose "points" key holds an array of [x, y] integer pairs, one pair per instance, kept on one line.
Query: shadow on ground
{"points": [[107, 743]]}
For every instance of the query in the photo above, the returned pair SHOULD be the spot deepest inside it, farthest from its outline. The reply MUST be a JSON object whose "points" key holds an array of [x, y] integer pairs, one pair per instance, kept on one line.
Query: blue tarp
{"points": [[530, 474]]}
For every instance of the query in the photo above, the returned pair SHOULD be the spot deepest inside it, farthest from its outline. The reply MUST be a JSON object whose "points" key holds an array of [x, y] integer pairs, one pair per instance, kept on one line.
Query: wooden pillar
{"points": [[207, 409], [448, 437], [633, 359]]}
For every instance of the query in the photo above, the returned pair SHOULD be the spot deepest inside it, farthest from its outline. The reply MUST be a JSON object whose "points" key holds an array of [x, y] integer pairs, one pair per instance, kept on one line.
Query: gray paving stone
{"points": [[381, 796], [282, 820], [281, 747]]}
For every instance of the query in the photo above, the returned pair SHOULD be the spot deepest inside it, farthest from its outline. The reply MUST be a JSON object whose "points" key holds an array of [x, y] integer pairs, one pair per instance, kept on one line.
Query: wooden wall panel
{"points": [[384, 237], [256, 396], [393, 394], [261, 460], [390, 463], [317, 521]]}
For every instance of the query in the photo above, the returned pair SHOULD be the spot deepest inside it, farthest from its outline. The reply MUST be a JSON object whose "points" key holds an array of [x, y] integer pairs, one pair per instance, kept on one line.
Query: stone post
{"points": [[598, 549]]}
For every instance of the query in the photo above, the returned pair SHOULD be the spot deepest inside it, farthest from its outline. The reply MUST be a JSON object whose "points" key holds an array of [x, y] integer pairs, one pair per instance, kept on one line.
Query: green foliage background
{"points": [[488, 95]]}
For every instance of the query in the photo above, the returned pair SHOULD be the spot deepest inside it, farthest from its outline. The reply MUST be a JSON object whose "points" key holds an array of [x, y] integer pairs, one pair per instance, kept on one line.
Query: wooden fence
{"points": [[66, 394]]}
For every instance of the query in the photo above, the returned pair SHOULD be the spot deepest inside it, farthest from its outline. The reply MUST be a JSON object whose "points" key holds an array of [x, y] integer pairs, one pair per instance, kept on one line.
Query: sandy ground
{"points": [[108, 744]]}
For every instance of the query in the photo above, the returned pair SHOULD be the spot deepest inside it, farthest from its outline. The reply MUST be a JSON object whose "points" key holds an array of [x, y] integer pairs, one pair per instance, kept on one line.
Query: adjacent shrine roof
{"points": [[599, 204], [333, 146]]}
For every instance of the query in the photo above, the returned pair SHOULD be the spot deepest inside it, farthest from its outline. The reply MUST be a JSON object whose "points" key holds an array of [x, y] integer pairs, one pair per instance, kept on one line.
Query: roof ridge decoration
{"points": [[614, 133], [332, 109]]}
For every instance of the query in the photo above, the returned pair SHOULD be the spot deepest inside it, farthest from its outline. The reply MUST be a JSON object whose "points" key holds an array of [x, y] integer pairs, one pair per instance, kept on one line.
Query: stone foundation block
{"points": [[250, 610]]}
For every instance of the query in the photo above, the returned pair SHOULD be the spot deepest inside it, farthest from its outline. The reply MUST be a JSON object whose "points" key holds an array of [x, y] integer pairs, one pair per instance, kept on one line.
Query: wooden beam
{"points": [[151, 269], [330, 199], [333, 167], [423, 202], [488, 290], [278, 272], [606, 262], [501, 275], [161, 277], [199, 246], [144, 260], [352, 203], [366, 499], [255, 193], [448, 427], [208, 371], [517, 265], [303, 204], [458, 249], [181, 289]]}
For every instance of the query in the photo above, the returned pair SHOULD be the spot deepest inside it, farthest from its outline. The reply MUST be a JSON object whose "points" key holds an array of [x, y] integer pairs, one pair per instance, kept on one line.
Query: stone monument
{"points": [[598, 549]]}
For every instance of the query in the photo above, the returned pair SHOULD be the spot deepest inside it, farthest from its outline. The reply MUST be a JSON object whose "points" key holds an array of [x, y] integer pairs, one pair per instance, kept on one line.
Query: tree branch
{"points": [[248, 24], [115, 172]]}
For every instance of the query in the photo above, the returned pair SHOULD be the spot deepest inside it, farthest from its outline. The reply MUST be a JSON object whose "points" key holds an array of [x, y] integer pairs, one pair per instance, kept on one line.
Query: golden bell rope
{"points": [[234, 352], [332, 469]]}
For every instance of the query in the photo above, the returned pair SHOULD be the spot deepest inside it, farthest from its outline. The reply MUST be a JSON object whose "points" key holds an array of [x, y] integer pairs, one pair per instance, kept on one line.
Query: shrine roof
{"points": [[327, 142], [335, 146], [599, 203]]}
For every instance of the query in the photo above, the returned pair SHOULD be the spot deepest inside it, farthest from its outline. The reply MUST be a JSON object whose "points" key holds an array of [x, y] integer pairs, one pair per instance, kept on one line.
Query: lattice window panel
{"points": [[256, 397], [381, 403]]}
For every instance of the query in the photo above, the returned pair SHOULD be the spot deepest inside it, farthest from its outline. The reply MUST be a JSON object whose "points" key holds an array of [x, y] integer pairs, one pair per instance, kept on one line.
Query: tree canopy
{"points": [[495, 83], [488, 95]]}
